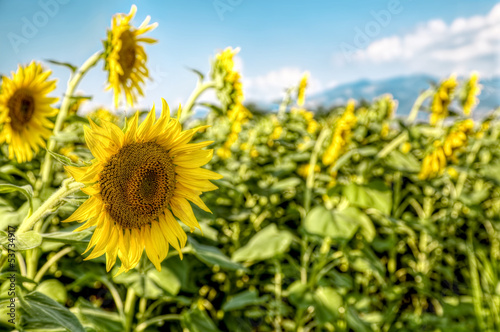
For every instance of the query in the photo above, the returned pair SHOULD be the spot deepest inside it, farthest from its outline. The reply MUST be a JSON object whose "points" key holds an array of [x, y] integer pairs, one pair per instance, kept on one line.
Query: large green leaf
{"points": [[374, 195], [267, 243], [195, 320], [300, 295], [166, 280], [213, 256], [338, 224], [40, 311]]}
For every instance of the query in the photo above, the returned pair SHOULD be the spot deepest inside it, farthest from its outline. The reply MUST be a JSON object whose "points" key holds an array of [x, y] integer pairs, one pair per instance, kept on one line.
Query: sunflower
{"points": [[139, 180], [301, 92], [125, 57], [24, 111], [442, 99], [468, 97]]}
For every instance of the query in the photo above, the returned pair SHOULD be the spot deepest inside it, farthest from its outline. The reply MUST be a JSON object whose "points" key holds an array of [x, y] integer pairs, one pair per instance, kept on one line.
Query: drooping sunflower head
{"points": [[468, 96], [139, 181], [25, 110], [227, 80], [301, 91], [442, 99], [125, 56]]}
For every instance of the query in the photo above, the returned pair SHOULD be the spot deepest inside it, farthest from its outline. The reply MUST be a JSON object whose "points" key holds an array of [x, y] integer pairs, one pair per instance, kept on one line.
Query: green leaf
{"points": [[54, 289], [337, 224], [64, 64], [197, 72], [26, 190], [195, 320], [402, 162], [68, 237], [373, 195], [327, 303], [40, 310], [266, 244], [24, 241], [244, 299], [100, 320], [141, 283], [63, 159], [213, 256], [166, 280]]}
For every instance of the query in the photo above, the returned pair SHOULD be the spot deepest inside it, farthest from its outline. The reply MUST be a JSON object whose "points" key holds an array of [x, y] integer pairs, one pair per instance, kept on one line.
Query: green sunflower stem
{"points": [[200, 88], [312, 163], [129, 308], [418, 104], [68, 187], [46, 169]]}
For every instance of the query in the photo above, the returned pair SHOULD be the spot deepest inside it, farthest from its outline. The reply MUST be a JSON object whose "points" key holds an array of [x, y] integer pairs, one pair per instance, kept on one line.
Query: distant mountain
{"points": [[405, 90]]}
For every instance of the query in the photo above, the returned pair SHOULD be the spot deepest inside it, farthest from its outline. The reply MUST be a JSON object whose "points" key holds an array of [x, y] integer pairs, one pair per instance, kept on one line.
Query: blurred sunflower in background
{"points": [[442, 99], [139, 180], [125, 56], [301, 92], [468, 95], [25, 110]]}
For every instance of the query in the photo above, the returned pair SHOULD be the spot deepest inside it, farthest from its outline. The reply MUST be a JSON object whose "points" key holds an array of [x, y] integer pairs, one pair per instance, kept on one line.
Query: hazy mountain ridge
{"points": [[405, 90]]}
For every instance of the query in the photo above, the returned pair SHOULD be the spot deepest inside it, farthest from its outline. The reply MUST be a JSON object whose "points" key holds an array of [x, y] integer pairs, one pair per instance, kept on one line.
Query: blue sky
{"points": [[278, 39]]}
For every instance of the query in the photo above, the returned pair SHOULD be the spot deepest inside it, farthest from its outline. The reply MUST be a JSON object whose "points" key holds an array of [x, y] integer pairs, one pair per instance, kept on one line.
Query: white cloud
{"points": [[272, 85], [465, 44]]}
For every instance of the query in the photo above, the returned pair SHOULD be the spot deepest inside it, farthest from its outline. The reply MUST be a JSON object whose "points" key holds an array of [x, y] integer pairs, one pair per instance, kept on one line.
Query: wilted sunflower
{"points": [[25, 109], [125, 57], [138, 181]]}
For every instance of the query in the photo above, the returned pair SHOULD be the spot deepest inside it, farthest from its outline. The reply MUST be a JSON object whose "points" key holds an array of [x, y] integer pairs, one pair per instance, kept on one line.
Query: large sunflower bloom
{"points": [[24, 111], [139, 180], [125, 57]]}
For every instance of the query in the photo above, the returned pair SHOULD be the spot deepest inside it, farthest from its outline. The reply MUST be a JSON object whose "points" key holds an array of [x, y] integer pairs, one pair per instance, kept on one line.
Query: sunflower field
{"points": [[342, 219]]}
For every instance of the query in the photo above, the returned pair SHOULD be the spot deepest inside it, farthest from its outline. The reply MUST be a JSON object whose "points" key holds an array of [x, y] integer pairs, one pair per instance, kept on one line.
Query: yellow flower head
{"points": [[301, 92], [433, 163], [25, 110], [228, 85], [305, 169], [125, 56], [139, 181], [442, 99], [469, 94], [224, 153], [103, 114], [405, 147], [341, 135]]}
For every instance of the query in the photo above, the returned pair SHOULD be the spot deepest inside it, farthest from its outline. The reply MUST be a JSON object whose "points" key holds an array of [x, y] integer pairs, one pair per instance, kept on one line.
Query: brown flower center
{"points": [[127, 54], [21, 108], [137, 184]]}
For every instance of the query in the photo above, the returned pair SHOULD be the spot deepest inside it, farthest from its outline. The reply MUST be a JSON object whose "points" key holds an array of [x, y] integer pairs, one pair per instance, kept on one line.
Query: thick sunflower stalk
{"points": [[341, 135], [435, 162], [442, 99]]}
